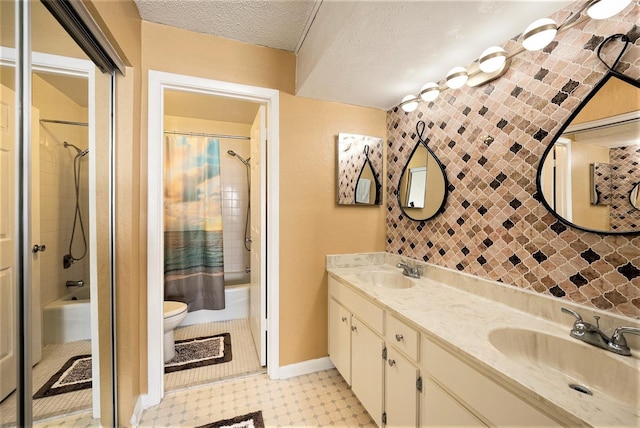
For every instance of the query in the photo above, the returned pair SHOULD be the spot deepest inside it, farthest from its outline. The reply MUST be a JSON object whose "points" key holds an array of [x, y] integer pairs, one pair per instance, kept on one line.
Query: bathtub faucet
{"points": [[78, 283]]}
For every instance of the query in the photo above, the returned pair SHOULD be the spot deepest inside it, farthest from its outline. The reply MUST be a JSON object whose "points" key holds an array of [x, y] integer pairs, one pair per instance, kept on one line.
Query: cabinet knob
{"points": [[36, 248], [399, 337], [354, 328], [392, 362], [344, 319]]}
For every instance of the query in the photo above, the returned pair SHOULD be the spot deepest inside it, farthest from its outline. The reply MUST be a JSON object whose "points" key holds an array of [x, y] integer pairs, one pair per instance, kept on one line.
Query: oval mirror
{"points": [[589, 173], [423, 188]]}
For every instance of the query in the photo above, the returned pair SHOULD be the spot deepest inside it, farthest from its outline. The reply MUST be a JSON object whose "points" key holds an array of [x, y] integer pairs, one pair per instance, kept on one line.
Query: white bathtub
{"points": [[69, 318], [236, 306]]}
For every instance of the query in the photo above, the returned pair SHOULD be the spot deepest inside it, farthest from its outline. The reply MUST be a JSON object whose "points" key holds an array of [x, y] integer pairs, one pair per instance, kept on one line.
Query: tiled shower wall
{"points": [[57, 191], [493, 225]]}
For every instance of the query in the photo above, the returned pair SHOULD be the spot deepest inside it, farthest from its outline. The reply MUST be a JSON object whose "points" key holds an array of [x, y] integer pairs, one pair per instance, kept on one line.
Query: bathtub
{"points": [[69, 318], [236, 295]]}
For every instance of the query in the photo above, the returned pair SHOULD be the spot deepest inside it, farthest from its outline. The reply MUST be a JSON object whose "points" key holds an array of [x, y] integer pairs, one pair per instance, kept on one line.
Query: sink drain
{"points": [[580, 388]]}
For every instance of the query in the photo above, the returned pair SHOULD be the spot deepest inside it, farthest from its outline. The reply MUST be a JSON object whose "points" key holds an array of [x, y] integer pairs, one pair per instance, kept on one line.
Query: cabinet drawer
{"points": [[439, 409], [403, 337], [499, 406], [367, 311]]}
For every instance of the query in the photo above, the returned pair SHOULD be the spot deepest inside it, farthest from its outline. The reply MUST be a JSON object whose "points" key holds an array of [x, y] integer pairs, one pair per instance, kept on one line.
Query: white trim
{"points": [[305, 367], [605, 122], [136, 415], [158, 83], [80, 68]]}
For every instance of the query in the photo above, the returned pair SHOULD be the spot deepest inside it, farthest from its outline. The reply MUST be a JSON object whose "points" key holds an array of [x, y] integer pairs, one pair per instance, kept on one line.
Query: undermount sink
{"points": [[386, 279], [602, 372]]}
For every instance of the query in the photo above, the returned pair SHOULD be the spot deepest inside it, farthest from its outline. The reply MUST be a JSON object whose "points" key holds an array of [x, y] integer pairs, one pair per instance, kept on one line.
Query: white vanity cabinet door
{"points": [[439, 409], [340, 339], [367, 368], [486, 398], [401, 393]]}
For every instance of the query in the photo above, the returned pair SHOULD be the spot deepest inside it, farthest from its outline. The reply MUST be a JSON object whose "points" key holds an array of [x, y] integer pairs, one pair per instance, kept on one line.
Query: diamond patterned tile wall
{"points": [[493, 225]]}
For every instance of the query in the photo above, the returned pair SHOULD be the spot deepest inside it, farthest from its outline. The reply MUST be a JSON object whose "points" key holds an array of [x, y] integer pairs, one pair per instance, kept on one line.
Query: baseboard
{"points": [[136, 417], [305, 367]]}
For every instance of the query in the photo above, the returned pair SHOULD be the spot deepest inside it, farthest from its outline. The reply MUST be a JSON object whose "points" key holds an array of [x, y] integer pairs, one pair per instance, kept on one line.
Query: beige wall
{"points": [[123, 22], [614, 98], [312, 225], [308, 131]]}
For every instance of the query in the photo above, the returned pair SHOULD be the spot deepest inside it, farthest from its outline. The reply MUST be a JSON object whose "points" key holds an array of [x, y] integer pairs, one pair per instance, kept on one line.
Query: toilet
{"points": [[174, 314]]}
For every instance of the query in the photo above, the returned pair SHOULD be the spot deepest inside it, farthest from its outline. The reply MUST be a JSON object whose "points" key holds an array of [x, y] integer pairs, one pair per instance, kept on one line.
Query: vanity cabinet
{"points": [[356, 345], [367, 368], [450, 382], [400, 390], [340, 338], [439, 409]]}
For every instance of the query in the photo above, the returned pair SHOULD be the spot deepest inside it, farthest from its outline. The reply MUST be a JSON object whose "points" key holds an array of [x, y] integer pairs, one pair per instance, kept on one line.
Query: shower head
{"points": [[244, 161], [80, 152]]}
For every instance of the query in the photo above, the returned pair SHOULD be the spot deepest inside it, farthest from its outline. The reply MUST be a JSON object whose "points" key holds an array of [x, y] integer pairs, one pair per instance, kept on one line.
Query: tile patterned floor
{"points": [[320, 399], [53, 357], [244, 361]]}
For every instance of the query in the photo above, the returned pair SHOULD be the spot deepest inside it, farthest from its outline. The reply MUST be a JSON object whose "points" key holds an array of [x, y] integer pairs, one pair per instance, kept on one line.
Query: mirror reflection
{"points": [[589, 175], [634, 197], [359, 169], [422, 191]]}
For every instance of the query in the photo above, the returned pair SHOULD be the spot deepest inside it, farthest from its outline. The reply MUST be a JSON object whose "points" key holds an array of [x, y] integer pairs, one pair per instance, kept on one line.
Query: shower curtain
{"points": [[193, 258]]}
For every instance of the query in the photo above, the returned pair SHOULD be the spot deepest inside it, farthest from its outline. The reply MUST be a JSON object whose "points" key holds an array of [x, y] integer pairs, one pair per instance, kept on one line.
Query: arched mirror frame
{"points": [[547, 151], [376, 182], [634, 192], [422, 143]]}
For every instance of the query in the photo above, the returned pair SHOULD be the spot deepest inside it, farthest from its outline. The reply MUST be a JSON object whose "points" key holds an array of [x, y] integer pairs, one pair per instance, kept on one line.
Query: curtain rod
{"points": [[64, 122], [203, 134]]}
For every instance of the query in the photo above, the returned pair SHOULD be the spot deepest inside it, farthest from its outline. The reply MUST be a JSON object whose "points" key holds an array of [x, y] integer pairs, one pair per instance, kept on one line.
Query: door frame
{"points": [[158, 82], [85, 69]]}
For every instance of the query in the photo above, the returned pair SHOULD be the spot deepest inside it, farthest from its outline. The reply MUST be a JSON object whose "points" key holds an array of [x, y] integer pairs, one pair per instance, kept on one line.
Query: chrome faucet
{"points": [[592, 334], [411, 272], [78, 283]]}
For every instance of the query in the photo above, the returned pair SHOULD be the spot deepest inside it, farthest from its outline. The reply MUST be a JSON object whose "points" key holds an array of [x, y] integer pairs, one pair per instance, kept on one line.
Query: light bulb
{"points": [[539, 34], [457, 77], [411, 103], [603, 9], [430, 91], [492, 59]]}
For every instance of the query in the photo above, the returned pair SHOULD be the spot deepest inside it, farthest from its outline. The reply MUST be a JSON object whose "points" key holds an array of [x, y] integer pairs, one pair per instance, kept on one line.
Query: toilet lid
{"points": [[173, 308]]}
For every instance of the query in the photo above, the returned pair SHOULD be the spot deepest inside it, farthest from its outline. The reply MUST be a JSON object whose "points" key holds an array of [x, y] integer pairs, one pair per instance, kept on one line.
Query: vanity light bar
{"points": [[490, 65]]}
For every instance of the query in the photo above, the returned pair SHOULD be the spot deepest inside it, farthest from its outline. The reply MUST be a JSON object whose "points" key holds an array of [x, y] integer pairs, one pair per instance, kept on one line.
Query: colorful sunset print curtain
{"points": [[193, 258]]}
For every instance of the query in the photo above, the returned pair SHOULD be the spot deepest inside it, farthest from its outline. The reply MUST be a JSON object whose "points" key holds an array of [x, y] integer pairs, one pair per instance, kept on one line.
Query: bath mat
{"points": [[250, 420], [200, 352], [74, 375]]}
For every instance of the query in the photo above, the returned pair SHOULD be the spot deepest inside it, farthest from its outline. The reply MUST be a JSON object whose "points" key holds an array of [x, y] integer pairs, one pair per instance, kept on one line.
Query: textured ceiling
{"points": [[278, 24], [368, 53]]}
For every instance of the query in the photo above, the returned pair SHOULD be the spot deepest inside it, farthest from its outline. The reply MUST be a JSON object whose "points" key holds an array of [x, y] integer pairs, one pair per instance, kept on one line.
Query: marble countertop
{"points": [[462, 321]]}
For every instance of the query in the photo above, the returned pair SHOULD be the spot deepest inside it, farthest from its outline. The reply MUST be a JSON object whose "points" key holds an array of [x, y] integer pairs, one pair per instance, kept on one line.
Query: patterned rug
{"points": [[199, 352], [250, 420], [75, 374]]}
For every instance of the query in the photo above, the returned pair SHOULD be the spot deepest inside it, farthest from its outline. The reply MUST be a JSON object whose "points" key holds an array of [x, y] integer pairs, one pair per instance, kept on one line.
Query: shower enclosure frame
{"points": [[158, 82], [84, 69]]}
